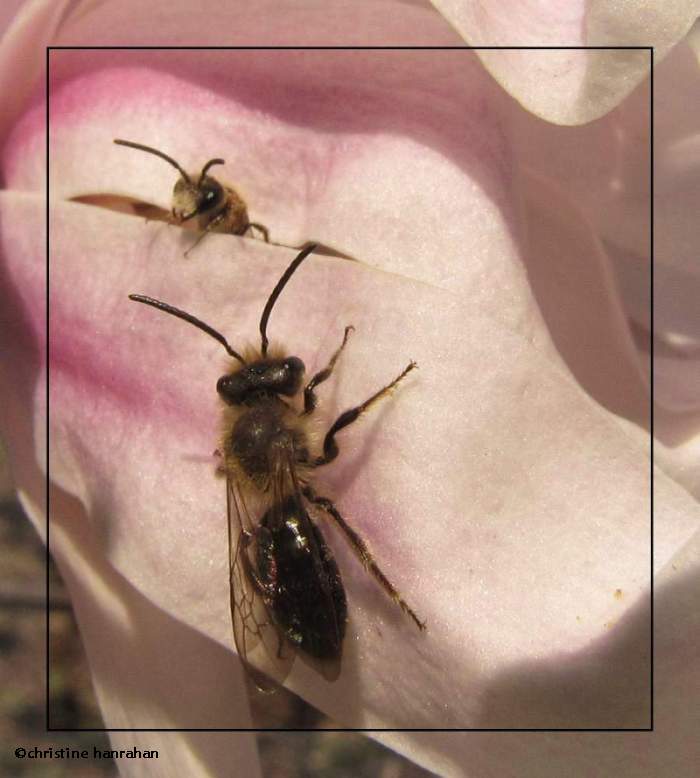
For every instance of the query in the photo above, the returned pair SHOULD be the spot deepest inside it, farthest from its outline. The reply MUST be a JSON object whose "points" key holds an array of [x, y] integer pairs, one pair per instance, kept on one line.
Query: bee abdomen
{"points": [[305, 592]]}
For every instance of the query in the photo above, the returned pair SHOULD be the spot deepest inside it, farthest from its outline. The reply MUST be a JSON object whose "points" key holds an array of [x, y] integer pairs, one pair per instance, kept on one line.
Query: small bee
{"points": [[287, 596], [216, 207]]}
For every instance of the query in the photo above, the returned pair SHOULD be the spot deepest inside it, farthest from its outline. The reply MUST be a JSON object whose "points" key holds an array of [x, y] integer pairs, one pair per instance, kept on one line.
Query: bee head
{"points": [[192, 198], [264, 377], [260, 375]]}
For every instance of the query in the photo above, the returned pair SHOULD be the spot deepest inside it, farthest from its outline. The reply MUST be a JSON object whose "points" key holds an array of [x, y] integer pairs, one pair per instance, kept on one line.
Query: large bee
{"points": [[216, 207], [287, 597]]}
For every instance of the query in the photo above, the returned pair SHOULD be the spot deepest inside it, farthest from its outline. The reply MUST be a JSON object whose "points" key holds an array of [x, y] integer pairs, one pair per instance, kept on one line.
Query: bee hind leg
{"points": [[360, 548]]}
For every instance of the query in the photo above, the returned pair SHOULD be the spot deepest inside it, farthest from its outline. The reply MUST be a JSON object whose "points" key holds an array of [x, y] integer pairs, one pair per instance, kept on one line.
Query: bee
{"points": [[287, 596], [216, 207]]}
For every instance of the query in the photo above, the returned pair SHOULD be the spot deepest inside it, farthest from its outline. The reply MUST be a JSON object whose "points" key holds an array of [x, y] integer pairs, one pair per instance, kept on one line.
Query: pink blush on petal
{"points": [[317, 153], [24, 153], [163, 111]]}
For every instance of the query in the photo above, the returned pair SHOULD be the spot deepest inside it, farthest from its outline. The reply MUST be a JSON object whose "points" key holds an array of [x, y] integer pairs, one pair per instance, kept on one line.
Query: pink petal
{"points": [[156, 417], [99, 380], [160, 409], [569, 86], [150, 670], [317, 163], [23, 56], [602, 171]]}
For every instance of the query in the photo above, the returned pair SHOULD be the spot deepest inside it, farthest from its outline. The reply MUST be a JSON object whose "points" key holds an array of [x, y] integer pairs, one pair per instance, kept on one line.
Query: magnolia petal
{"points": [[671, 748], [23, 55], [602, 170], [572, 280], [605, 167], [368, 154], [679, 458], [105, 381], [99, 387], [574, 286], [570, 86], [147, 668], [149, 671], [261, 23], [8, 11], [471, 482]]}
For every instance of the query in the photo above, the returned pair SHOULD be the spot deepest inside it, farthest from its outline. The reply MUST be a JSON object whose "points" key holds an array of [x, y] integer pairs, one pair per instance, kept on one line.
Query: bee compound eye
{"points": [[295, 365], [230, 388], [294, 373], [222, 384]]}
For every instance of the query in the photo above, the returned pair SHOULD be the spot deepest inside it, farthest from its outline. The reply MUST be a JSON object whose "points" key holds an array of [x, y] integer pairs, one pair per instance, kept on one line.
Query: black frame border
{"points": [[47, 668]]}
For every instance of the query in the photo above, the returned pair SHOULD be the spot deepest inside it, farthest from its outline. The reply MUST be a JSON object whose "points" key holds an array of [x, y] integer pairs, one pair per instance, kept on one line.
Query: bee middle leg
{"points": [[330, 447], [322, 375], [360, 548]]}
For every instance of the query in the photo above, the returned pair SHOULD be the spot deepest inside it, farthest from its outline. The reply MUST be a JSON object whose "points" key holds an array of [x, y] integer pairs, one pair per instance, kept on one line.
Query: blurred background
{"points": [[72, 702]]}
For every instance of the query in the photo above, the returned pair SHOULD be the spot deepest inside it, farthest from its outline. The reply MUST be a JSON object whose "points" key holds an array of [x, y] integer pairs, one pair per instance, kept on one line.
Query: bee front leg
{"points": [[322, 375], [211, 227], [262, 228]]}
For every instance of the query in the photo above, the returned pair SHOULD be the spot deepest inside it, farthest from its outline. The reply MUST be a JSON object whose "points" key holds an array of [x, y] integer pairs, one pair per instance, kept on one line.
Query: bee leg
{"points": [[322, 375], [360, 548], [262, 228], [266, 590], [211, 227], [200, 238], [330, 447]]}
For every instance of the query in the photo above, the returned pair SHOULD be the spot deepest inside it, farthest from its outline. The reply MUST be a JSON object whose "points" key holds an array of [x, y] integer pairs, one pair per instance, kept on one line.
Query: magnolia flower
{"points": [[504, 488]]}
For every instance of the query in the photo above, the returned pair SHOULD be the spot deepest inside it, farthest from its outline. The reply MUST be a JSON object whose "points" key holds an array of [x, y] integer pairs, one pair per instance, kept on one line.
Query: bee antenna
{"points": [[209, 164], [150, 150], [161, 306], [272, 299]]}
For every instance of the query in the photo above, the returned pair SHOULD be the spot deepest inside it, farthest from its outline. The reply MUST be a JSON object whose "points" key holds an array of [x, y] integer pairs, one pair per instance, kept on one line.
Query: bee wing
{"points": [[150, 212], [285, 484], [115, 202], [261, 645]]}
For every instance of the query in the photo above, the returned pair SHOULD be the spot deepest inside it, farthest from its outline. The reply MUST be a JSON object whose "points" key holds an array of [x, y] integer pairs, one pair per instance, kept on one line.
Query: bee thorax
{"points": [[260, 437]]}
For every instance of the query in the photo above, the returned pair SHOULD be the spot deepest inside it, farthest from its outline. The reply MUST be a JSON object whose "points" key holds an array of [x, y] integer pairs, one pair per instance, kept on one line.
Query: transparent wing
{"points": [[131, 205], [260, 643]]}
